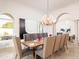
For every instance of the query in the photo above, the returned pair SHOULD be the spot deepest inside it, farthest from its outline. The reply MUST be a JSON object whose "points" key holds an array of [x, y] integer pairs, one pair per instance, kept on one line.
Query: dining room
{"points": [[42, 29]]}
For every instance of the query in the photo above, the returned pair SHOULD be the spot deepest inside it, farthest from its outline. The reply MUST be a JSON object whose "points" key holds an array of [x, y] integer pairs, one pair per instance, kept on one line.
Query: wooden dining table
{"points": [[33, 44]]}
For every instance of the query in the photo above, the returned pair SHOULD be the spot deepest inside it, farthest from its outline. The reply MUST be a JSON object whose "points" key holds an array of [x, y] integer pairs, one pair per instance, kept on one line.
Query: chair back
{"points": [[18, 47], [27, 37], [33, 36], [66, 39], [44, 34], [57, 43], [62, 41], [48, 46]]}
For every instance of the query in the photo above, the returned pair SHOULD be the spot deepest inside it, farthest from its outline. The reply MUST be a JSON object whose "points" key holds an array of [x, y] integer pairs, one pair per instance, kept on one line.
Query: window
{"points": [[6, 27]]}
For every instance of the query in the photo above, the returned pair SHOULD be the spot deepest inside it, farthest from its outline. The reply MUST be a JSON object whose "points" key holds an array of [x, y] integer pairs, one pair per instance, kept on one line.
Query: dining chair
{"points": [[44, 34], [54, 41], [66, 41], [47, 49], [33, 36], [62, 41], [57, 43], [27, 37], [19, 52]]}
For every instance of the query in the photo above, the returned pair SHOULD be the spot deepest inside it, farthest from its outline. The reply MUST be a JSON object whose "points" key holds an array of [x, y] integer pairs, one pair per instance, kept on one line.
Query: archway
{"points": [[6, 30], [64, 21], [59, 16], [65, 24]]}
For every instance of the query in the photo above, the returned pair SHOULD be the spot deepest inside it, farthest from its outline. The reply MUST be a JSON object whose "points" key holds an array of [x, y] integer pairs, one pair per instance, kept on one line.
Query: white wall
{"points": [[22, 11], [18, 10]]}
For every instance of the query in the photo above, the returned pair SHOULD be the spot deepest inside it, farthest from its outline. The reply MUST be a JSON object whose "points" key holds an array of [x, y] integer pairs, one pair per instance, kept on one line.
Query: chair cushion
{"points": [[39, 52], [26, 52]]}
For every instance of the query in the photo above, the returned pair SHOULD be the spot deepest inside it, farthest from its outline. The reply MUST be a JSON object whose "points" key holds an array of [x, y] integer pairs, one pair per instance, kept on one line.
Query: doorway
{"points": [[6, 30]]}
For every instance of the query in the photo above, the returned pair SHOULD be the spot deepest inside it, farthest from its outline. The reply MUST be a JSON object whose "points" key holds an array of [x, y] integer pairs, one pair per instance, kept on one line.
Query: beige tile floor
{"points": [[71, 53], [6, 53]]}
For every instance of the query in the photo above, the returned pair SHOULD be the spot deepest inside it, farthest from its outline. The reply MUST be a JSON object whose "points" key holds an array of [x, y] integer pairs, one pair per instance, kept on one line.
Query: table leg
{"points": [[34, 52]]}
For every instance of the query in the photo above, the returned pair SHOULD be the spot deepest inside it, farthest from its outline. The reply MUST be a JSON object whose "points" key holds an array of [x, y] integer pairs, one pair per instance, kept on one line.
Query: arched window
{"points": [[6, 26]]}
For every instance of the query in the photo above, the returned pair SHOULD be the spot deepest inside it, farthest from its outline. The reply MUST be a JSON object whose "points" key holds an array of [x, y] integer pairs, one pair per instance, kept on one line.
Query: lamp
{"points": [[48, 20]]}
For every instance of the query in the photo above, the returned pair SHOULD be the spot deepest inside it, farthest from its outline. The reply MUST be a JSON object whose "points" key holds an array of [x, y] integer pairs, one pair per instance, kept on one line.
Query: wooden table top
{"points": [[34, 43]]}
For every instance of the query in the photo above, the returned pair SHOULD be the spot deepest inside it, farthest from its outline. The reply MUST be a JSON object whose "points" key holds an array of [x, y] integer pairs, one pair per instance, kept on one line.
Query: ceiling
{"points": [[42, 4]]}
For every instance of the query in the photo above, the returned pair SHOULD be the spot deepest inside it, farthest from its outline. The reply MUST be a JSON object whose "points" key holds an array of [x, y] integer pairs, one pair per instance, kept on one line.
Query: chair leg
{"points": [[35, 56], [18, 57], [65, 47], [15, 56]]}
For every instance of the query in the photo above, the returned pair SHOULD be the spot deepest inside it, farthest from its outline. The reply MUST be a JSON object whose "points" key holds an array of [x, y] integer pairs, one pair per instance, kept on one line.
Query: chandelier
{"points": [[47, 19]]}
